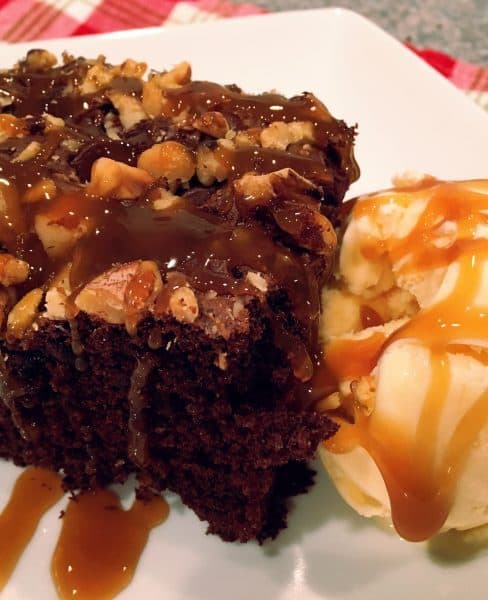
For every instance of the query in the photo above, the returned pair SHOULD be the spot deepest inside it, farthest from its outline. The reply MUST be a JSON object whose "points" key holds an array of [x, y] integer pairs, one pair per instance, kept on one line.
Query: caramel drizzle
{"points": [[421, 488], [138, 438], [34, 493], [100, 544]]}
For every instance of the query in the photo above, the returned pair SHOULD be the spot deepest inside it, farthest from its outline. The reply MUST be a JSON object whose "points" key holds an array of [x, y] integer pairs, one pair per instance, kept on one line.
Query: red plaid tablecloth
{"points": [[22, 20]]}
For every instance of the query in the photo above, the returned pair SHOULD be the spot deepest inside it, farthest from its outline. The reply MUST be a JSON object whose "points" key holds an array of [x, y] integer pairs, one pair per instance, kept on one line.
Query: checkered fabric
{"points": [[22, 20]]}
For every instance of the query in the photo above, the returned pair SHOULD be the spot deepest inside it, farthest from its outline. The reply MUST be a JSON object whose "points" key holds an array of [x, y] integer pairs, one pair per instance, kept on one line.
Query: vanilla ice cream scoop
{"points": [[406, 352]]}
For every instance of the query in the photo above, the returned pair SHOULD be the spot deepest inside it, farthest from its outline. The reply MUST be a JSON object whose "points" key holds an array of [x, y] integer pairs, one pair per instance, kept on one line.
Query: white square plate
{"points": [[409, 118]]}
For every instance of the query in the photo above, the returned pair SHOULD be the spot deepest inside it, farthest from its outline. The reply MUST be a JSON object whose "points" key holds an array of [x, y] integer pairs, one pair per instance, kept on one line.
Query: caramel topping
{"points": [[421, 485], [100, 544], [34, 493]]}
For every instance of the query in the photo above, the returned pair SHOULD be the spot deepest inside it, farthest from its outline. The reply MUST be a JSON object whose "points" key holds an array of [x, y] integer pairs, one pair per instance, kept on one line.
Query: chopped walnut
{"points": [[212, 123], [153, 98], [183, 305], [57, 234], [221, 361], [301, 219], [52, 122], [179, 75], [258, 281], [97, 77], [210, 167], [364, 393], [114, 179], [121, 292], [129, 108], [12, 270], [100, 75], [330, 402], [24, 313], [28, 153], [40, 60], [248, 137], [57, 295], [164, 199], [170, 159], [112, 128], [280, 135], [10, 127]]}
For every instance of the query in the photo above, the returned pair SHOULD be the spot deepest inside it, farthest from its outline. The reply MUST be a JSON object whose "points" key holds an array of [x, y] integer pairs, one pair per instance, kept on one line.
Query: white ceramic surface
{"points": [[409, 118]]}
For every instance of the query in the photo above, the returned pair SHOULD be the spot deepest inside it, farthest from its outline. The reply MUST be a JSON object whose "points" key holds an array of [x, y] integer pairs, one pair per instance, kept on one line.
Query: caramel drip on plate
{"points": [[420, 484], [34, 493], [100, 544]]}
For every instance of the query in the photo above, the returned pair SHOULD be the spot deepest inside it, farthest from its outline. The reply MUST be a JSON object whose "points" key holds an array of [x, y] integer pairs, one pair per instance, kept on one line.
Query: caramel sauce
{"points": [[138, 450], [421, 486], [34, 493], [100, 544]]}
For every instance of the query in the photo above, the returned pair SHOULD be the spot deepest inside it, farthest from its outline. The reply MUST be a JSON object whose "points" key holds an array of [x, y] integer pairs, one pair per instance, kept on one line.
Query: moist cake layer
{"points": [[164, 246]]}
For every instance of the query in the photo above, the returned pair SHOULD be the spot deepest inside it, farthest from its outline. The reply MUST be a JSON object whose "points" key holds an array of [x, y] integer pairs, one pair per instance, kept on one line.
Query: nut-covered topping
{"points": [[212, 123], [183, 305], [130, 109], [12, 270], [24, 313], [280, 135], [114, 179], [170, 159]]}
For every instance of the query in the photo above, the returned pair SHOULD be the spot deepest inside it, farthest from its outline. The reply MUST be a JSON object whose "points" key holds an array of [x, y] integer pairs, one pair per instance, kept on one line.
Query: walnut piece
{"points": [[40, 60], [153, 99], [24, 313], [114, 179], [129, 108], [183, 305], [10, 127], [280, 135], [212, 123], [57, 295], [28, 153], [12, 270], [210, 167], [122, 291], [257, 280], [100, 75], [170, 159], [164, 199], [364, 393]]}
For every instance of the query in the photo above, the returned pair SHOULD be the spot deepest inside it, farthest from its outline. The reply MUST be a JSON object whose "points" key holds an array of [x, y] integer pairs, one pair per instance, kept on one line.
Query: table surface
{"points": [[458, 27]]}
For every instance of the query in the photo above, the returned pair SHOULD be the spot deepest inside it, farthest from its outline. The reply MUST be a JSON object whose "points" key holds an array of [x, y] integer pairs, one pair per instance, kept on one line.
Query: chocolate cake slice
{"points": [[164, 243]]}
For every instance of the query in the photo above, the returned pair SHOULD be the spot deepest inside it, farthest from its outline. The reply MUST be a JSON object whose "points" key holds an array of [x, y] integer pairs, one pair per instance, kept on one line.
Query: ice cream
{"points": [[406, 357]]}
